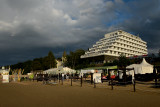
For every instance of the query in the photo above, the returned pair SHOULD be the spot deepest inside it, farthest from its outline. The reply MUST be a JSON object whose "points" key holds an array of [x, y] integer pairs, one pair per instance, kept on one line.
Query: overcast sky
{"points": [[31, 28]]}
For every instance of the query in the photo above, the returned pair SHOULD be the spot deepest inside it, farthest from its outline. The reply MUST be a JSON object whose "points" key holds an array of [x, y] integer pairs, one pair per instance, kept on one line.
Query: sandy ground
{"points": [[33, 94]]}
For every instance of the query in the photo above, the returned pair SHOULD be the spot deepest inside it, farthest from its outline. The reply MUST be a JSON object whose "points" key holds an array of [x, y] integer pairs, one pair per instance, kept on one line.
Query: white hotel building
{"points": [[116, 43]]}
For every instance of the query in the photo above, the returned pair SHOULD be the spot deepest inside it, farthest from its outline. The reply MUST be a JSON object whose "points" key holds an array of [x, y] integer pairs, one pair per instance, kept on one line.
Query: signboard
{"points": [[97, 77], [120, 75], [5, 76], [62, 76]]}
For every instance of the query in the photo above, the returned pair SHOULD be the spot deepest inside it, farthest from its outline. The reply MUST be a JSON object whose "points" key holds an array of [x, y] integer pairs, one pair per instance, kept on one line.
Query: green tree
{"points": [[51, 60], [45, 63], [73, 59], [123, 61], [36, 65], [27, 67]]}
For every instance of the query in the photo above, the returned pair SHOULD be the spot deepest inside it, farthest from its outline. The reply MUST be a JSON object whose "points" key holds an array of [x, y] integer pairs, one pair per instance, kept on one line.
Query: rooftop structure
{"points": [[116, 43]]}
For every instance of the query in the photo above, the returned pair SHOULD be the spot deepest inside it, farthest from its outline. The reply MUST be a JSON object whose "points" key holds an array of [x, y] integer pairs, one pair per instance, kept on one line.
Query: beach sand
{"points": [[36, 94]]}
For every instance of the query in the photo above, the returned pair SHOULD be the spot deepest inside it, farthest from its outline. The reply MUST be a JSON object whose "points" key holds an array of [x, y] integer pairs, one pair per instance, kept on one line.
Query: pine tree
{"points": [[51, 60]]}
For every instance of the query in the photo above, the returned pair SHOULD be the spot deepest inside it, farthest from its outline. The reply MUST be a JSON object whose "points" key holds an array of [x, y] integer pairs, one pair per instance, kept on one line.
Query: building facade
{"points": [[116, 43]]}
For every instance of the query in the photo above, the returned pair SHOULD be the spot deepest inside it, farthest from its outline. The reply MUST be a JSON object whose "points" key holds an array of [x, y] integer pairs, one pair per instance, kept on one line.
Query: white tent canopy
{"points": [[58, 70], [68, 70], [142, 68], [51, 71]]}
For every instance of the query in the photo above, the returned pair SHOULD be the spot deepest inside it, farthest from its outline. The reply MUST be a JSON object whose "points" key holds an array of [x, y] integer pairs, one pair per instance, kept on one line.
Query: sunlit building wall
{"points": [[117, 43]]}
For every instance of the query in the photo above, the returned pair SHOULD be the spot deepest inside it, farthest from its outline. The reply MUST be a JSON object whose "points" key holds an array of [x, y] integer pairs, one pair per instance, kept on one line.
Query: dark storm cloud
{"points": [[22, 4], [31, 28], [145, 21]]}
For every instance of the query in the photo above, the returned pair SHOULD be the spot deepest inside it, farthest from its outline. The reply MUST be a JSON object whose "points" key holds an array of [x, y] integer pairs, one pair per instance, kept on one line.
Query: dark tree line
{"points": [[43, 63], [74, 61]]}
